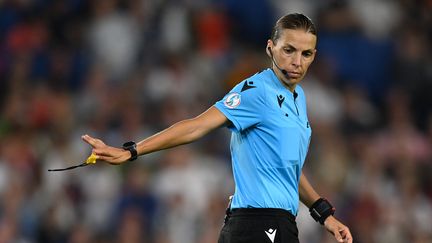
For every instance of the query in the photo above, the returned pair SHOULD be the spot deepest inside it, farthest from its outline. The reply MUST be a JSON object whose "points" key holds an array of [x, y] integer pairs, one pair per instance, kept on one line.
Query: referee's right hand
{"points": [[107, 153]]}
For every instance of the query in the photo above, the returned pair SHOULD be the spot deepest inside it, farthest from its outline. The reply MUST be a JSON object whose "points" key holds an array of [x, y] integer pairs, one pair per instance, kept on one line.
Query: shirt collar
{"points": [[279, 84]]}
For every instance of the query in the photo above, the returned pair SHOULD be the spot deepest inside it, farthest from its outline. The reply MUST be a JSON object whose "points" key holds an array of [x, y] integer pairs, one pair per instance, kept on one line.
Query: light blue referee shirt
{"points": [[269, 143]]}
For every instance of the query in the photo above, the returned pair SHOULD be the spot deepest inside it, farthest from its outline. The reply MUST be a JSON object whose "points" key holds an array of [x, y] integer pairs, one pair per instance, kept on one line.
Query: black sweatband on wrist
{"points": [[321, 210]]}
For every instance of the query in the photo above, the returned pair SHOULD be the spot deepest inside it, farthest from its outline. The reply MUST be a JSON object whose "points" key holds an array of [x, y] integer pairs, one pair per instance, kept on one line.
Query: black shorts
{"points": [[259, 225]]}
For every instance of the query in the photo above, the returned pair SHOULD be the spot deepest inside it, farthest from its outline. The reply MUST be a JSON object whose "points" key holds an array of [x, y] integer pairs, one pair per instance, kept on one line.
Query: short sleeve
{"points": [[243, 105]]}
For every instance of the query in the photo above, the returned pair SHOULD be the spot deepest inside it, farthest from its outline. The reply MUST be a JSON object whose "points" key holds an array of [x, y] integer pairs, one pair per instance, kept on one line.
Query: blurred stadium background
{"points": [[122, 70]]}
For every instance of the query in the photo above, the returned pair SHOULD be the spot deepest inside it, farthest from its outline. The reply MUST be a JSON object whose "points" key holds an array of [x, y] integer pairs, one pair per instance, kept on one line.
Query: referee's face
{"points": [[294, 51]]}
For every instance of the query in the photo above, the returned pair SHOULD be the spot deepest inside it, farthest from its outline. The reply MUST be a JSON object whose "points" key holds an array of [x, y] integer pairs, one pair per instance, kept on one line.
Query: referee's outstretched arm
{"points": [[182, 132], [308, 196]]}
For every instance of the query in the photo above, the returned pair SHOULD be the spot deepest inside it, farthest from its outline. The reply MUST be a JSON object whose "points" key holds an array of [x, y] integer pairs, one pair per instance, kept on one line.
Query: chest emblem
{"points": [[280, 99]]}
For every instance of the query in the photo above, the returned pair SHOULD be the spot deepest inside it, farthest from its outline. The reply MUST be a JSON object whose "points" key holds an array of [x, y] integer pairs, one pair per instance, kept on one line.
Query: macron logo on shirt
{"points": [[280, 100], [271, 233]]}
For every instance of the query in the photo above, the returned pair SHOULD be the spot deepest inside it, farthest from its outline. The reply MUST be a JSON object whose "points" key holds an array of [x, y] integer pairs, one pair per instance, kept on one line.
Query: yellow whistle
{"points": [[91, 159]]}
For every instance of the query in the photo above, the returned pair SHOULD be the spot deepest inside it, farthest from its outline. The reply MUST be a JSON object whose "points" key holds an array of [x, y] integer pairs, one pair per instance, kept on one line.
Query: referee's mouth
{"points": [[293, 74]]}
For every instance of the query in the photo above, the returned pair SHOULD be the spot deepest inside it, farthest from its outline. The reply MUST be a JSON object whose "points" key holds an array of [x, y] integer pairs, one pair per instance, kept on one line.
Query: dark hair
{"points": [[294, 21]]}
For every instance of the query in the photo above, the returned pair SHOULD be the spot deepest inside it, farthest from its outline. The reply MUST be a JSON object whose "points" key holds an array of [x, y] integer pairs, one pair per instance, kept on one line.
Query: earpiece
{"points": [[284, 72]]}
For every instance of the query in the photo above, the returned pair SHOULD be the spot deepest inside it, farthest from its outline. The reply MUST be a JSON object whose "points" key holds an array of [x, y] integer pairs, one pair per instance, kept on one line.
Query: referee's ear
{"points": [[268, 47]]}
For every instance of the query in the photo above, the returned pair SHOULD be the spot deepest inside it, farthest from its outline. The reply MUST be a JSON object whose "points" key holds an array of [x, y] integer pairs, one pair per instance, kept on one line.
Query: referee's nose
{"points": [[296, 60]]}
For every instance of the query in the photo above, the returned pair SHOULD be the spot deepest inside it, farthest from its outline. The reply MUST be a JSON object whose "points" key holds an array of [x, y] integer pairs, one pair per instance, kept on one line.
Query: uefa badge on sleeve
{"points": [[232, 100]]}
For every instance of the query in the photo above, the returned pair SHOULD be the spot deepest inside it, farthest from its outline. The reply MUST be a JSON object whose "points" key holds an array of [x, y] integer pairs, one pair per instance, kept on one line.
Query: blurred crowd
{"points": [[123, 70]]}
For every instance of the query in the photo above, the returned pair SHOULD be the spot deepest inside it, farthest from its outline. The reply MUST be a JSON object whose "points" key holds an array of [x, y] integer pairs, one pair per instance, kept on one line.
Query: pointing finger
{"points": [[87, 139], [92, 141]]}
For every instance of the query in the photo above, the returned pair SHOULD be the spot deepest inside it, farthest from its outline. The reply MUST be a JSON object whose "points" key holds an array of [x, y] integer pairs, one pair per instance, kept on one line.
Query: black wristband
{"points": [[131, 146], [321, 210]]}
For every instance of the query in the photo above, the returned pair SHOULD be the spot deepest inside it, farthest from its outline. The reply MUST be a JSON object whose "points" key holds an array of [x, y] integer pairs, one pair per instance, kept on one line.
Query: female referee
{"points": [[270, 138]]}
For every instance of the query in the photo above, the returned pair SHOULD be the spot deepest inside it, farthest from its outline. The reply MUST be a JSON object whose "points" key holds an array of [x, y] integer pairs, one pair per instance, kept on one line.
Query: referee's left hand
{"points": [[339, 230]]}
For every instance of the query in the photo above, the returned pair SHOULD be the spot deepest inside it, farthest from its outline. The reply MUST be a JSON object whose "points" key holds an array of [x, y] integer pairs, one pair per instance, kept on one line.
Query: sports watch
{"points": [[131, 146]]}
